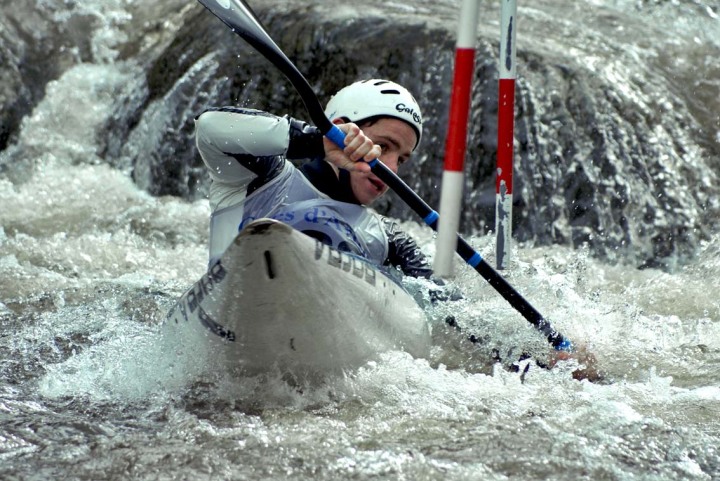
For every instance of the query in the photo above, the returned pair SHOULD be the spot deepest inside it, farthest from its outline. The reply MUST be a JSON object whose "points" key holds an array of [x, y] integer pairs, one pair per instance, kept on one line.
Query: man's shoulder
{"points": [[240, 110]]}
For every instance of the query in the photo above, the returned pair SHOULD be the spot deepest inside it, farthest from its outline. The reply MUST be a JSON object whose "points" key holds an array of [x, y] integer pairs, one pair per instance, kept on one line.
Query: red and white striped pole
{"points": [[505, 126], [455, 144]]}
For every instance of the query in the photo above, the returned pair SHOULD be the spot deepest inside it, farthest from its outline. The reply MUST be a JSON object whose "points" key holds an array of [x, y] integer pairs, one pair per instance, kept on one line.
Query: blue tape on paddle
{"points": [[475, 260], [431, 217], [565, 346], [337, 136]]}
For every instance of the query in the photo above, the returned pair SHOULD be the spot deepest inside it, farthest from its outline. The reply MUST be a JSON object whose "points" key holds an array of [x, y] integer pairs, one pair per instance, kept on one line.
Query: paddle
{"points": [[237, 15]]}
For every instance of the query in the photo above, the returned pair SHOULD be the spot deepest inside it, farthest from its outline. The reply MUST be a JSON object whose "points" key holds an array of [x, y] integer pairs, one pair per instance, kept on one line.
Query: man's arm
{"points": [[238, 145], [244, 149], [404, 253]]}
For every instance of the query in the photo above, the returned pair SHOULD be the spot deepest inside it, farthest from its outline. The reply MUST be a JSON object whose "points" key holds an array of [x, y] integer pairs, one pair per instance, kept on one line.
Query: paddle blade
{"points": [[237, 15]]}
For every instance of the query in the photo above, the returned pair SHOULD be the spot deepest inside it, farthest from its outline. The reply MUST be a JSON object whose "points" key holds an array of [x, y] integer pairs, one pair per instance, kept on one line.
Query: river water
{"points": [[90, 389]]}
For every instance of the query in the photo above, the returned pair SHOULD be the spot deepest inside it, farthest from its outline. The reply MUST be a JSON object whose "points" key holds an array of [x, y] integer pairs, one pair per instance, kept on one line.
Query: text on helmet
{"points": [[402, 108]]}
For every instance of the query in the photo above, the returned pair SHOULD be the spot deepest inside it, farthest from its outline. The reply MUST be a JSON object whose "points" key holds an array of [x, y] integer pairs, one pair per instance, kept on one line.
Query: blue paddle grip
{"points": [[474, 260], [431, 217]]}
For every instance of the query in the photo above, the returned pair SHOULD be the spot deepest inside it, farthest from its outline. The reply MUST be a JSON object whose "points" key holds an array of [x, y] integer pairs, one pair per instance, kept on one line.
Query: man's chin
{"points": [[370, 198]]}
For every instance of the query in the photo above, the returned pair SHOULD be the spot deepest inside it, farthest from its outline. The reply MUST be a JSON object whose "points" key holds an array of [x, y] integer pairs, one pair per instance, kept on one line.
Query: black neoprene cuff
{"points": [[305, 141]]}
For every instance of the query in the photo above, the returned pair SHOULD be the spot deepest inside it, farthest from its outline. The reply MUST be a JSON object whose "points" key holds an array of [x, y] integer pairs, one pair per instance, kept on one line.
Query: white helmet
{"points": [[376, 97]]}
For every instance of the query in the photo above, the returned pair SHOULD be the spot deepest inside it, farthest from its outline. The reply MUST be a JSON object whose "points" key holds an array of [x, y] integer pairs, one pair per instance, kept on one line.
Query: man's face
{"points": [[397, 140]]}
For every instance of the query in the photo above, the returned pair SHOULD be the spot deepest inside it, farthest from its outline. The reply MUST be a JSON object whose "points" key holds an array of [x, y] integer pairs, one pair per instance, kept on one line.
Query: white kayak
{"points": [[280, 300]]}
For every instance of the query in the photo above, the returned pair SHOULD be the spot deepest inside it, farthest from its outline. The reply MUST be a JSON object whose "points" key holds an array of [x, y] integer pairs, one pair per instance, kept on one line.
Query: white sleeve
{"points": [[222, 136]]}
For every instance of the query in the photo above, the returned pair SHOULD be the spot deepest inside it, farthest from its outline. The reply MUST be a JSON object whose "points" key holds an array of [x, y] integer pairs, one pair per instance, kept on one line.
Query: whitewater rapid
{"points": [[89, 388]]}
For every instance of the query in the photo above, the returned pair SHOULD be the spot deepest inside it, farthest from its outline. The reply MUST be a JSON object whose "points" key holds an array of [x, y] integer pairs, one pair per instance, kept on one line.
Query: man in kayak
{"points": [[251, 156]]}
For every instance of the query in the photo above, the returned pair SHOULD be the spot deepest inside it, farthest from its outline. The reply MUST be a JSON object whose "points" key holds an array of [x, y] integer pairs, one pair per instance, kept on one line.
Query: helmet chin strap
{"points": [[346, 185]]}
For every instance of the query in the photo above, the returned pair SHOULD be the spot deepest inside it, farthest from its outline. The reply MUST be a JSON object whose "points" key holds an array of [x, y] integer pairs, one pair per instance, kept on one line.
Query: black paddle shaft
{"points": [[465, 251], [238, 15]]}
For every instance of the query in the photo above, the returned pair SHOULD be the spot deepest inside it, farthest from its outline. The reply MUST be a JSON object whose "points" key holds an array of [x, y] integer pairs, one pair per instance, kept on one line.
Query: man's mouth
{"points": [[377, 183]]}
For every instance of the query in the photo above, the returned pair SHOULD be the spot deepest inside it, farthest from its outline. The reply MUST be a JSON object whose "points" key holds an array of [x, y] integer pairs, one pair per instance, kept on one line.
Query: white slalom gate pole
{"points": [[505, 125], [453, 175]]}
